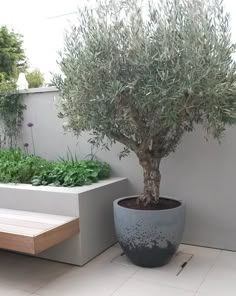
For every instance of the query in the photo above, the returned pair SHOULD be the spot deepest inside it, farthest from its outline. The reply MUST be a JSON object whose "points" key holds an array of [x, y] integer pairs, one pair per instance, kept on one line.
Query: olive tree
{"points": [[144, 73]]}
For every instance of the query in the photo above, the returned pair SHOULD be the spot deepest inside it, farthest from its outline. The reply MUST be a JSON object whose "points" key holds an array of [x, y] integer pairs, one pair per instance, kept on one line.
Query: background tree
{"points": [[12, 56], [145, 75], [35, 78], [12, 61]]}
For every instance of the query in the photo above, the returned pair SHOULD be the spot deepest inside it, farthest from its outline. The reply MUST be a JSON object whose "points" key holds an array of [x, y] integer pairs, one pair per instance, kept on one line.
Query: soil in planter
{"points": [[164, 204]]}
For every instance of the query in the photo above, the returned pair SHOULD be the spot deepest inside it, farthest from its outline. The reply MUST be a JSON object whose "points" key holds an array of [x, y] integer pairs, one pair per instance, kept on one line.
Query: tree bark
{"points": [[152, 177]]}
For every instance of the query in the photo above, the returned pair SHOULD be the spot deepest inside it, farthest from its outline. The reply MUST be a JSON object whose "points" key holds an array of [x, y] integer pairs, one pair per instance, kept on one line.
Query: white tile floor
{"points": [[209, 272]]}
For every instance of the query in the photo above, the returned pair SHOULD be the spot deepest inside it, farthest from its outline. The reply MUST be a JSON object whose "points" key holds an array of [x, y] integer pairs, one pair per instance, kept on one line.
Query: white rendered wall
{"points": [[201, 173], [92, 204]]}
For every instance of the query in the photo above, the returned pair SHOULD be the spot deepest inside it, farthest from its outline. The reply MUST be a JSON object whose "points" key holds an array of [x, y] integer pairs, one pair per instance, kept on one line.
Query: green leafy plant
{"points": [[73, 173], [35, 78], [11, 115], [17, 167], [12, 55], [143, 75]]}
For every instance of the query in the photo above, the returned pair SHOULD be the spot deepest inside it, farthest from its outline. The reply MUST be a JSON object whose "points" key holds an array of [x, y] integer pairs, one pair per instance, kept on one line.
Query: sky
{"points": [[43, 23]]}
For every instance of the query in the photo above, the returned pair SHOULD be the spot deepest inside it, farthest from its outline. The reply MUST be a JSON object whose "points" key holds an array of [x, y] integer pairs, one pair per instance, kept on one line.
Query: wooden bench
{"points": [[32, 233]]}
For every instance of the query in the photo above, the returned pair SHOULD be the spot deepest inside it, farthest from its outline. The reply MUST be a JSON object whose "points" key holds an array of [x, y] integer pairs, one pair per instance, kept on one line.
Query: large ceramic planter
{"points": [[149, 237]]}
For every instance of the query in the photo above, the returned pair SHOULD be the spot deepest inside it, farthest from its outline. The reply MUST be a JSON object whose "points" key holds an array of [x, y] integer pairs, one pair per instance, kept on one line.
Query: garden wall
{"points": [[202, 173]]}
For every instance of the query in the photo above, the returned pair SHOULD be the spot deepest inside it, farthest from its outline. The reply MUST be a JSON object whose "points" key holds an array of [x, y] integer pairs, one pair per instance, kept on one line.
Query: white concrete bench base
{"points": [[91, 204], [32, 233]]}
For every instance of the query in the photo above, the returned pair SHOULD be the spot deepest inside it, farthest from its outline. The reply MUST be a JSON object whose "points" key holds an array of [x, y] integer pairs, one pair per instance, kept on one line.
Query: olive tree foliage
{"points": [[143, 74]]}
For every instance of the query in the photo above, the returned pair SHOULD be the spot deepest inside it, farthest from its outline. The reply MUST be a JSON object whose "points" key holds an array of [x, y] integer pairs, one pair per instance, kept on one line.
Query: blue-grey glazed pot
{"points": [[149, 238]]}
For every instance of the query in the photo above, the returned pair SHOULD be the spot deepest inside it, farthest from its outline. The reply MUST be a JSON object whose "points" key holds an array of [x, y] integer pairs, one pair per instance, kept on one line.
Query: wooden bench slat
{"points": [[55, 236], [18, 243], [33, 216], [13, 229], [27, 232], [25, 223]]}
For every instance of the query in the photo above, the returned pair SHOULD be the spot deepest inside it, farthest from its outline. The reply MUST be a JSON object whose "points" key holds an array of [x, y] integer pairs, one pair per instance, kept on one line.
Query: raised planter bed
{"points": [[91, 204]]}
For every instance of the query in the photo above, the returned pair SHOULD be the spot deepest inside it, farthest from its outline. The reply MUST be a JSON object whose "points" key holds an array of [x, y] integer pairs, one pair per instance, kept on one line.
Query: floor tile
{"points": [[138, 287], [109, 254], [192, 274], [221, 278], [99, 282], [28, 273], [173, 267], [226, 259], [207, 294], [10, 291], [100, 277], [209, 272]]}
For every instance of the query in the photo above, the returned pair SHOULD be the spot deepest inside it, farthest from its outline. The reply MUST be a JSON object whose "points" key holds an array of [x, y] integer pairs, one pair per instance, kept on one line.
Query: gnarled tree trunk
{"points": [[152, 177]]}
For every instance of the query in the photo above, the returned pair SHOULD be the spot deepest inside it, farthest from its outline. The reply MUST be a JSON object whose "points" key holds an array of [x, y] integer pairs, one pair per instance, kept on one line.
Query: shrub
{"points": [[16, 167], [11, 114], [68, 173], [12, 55], [35, 78]]}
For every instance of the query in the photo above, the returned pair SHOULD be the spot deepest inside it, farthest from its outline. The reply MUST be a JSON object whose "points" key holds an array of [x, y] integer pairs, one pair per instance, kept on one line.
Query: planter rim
{"points": [[116, 203], [61, 189]]}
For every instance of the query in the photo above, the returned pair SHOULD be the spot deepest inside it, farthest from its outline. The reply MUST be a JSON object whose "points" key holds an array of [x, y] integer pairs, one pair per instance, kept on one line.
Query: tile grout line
{"points": [[50, 281], [184, 264], [209, 270], [123, 283], [160, 283]]}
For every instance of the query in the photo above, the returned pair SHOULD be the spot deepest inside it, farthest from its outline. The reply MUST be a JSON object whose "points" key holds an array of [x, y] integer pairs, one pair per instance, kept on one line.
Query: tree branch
{"points": [[133, 113], [130, 143]]}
